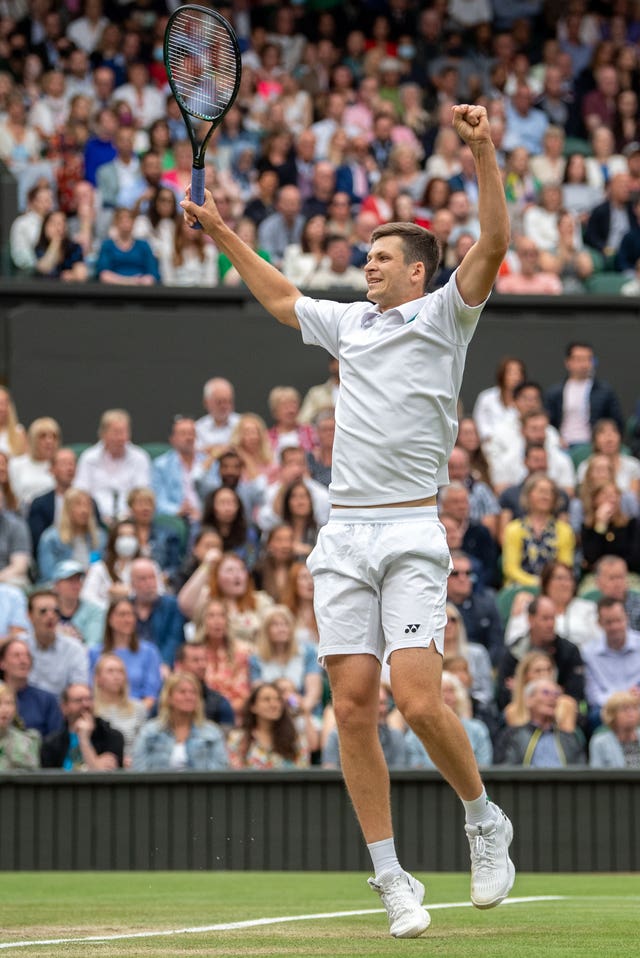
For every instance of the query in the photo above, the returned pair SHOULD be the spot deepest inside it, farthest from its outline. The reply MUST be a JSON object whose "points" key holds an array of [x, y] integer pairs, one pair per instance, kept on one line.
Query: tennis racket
{"points": [[203, 64]]}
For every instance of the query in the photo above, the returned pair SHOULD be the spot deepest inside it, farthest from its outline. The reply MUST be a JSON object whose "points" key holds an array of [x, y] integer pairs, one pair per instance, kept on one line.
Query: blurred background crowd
{"points": [[156, 611], [343, 121]]}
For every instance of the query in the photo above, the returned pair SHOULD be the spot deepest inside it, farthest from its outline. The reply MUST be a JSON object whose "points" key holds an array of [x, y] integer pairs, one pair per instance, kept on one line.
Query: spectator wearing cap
{"points": [[36, 707], [77, 617]]}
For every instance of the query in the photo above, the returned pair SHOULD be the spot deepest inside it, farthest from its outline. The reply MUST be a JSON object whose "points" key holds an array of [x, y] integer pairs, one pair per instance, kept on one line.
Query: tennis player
{"points": [[381, 563]]}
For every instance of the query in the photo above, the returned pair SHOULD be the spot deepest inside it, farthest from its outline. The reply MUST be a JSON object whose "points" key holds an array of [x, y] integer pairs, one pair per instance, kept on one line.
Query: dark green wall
{"points": [[574, 820], [74, 351]]}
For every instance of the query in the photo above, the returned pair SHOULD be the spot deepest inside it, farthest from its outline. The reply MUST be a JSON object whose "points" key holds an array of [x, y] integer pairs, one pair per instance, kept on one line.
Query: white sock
{"points": [[478, 810], [384, 858]]}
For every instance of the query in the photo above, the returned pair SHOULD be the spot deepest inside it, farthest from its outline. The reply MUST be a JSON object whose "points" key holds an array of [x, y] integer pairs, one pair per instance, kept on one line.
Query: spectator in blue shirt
{"points": [[159, 620], [36, 707], [125, 260], [141, 658]]}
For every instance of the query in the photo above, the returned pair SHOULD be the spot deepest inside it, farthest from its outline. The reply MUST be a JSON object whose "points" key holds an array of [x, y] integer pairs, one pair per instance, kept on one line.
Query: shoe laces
{"points": [[395, 895], [483, 850]]}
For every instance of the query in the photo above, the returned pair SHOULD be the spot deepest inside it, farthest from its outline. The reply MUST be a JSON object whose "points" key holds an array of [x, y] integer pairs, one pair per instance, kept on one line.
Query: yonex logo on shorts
{"points": [[411, 628]]}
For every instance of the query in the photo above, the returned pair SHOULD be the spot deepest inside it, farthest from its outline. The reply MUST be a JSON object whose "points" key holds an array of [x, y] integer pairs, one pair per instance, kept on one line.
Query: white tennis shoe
{"points": [[402, 896], [492, 871]]}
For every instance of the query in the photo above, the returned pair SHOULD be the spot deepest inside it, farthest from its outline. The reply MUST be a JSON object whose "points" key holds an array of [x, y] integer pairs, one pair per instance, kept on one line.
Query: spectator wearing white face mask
{"points": [[110, 577]]}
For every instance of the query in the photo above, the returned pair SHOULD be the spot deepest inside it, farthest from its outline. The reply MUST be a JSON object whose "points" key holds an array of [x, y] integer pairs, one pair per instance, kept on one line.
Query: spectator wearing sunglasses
{"points": [[476, 605], [58, 659]]}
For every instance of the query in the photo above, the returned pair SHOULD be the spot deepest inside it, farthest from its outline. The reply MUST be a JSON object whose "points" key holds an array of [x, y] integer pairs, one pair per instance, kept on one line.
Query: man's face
{"points": [[326, 430], [16, 662], [528, 400], [69, 589], [295, 463], [289, 202], [44, 617], [613, 622], [535, 429], [579, 364], [183, 437], [542, 624], [324, 180], [64, 467], [536, 460], [542, 702], [460, 583], [116, 436], [457, 504], [612, 580], [103, 82], [230, 471], [219, 402], [194, 661], [152, 169], [306, 146], [339, 254], [391, 281], [143, 581], [459, 206], [79, 702], [124, 141], [458, 465]]}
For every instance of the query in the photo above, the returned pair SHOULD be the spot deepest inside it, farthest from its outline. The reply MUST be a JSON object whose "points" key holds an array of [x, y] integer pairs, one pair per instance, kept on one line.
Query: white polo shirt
{"points": [[400, 376]]}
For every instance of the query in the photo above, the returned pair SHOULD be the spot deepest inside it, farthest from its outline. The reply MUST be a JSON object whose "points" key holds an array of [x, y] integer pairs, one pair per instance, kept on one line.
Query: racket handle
{"points": [[197, 190]]}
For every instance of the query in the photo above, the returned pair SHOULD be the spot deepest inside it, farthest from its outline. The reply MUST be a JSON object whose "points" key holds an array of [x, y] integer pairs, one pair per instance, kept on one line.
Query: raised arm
{"points": [[478, 270], [267, 284]]}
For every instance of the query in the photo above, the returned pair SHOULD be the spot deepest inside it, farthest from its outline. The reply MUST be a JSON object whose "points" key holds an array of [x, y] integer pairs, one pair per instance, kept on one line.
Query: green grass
{"points": [[598, 918]]}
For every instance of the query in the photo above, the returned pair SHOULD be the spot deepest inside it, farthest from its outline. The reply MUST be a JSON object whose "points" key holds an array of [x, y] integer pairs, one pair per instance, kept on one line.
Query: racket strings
{"points": [[203, 64]]}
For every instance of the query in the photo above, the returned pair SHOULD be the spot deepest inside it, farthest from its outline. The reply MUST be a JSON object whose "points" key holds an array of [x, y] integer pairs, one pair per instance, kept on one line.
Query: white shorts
{"points": [[380, 578]]}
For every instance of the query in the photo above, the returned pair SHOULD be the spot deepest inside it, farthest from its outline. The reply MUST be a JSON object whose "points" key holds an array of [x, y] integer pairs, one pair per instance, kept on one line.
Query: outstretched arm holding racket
{"points": [[268, 285], [203, 64]]}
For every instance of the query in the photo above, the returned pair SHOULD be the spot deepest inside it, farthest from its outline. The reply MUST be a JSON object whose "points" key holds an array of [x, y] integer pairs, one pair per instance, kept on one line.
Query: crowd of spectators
{"points": [[342, 122], [157, 613]]}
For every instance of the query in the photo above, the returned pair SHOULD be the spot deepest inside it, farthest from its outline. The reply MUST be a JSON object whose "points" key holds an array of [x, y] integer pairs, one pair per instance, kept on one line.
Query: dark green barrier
{"points": [[565, 821]]}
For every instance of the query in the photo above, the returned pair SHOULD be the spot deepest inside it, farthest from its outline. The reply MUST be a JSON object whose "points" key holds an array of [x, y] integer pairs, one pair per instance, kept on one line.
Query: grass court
{"points": [[594, 915]]}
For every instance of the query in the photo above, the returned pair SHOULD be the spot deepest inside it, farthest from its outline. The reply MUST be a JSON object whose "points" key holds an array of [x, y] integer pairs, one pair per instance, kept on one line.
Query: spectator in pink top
{"points": [[530, 279]]}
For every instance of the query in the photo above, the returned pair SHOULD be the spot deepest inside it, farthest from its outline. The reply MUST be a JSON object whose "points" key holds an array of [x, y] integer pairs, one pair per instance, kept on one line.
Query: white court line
{"points": [[255, 922]]}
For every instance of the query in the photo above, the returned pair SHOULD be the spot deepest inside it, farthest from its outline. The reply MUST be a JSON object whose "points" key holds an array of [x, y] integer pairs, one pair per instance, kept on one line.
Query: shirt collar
{"points": [[398, 316]]}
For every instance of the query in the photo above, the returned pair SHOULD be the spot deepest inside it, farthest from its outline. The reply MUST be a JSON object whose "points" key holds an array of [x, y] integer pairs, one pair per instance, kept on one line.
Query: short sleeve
{"points": [[319, 322], [455, 319]]}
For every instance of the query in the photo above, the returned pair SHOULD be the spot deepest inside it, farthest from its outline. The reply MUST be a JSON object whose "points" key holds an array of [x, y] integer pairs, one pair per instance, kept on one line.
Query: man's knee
{"points": [[353, 713], [422, 713]]}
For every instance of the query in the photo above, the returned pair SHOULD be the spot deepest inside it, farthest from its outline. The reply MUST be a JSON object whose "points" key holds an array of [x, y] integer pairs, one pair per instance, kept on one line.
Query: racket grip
{"points": [[197, 190]]}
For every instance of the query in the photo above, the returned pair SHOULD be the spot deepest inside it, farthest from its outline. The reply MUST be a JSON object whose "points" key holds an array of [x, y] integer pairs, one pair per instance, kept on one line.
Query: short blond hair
{"points": [[110, 416], [280, 394], [614, 703], [42, 425]]}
